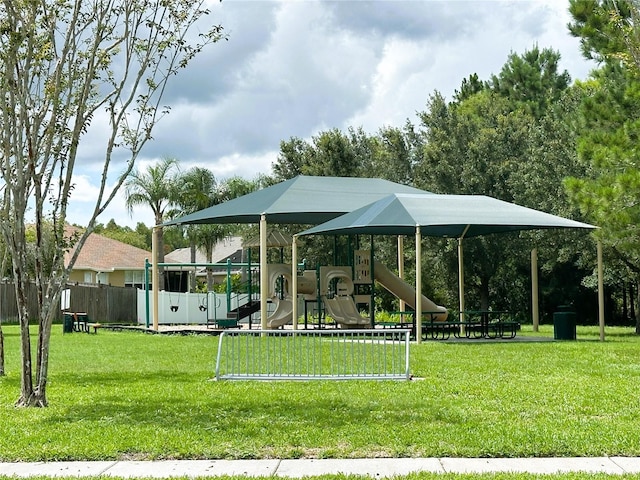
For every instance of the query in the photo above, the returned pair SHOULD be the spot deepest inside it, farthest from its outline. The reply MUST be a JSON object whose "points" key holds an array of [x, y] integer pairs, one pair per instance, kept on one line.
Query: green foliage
{"points": [[238, 285], [331, 153], [234, 187], [394, 154], [469, 87], [513, 138], [122, 234], [474, 147], [144, 232], [63, 62], [608, 192], [156, 188], [532, 80], [608, 187], [596, 23]]}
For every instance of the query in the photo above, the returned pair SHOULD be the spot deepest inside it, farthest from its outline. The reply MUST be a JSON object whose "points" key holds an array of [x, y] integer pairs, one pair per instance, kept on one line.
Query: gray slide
{"points": [[283, 314], [343, 310], [406, 292]]}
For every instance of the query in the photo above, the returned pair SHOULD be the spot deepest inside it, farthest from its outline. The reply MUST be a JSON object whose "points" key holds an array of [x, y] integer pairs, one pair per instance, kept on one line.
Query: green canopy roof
{"points": [[441, 215], [303, 200]]}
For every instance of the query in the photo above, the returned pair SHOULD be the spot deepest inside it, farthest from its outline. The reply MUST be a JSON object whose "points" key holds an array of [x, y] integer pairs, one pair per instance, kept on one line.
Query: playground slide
{"points": [[350, 310], [282, 314], [343, 310], [406, 292]]}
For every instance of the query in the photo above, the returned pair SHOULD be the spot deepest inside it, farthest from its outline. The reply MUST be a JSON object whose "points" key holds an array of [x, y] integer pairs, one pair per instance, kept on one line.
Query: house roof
{"points": [[224, 249], [275, 238], [103, 254]]}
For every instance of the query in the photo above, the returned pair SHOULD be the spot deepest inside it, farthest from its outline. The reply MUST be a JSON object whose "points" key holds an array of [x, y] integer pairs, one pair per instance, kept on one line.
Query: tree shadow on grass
{"points": [[229, 407]]}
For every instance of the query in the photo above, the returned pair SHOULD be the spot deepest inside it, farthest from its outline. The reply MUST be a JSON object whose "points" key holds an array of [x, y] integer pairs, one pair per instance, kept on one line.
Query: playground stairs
{"points": [[244, 310]]}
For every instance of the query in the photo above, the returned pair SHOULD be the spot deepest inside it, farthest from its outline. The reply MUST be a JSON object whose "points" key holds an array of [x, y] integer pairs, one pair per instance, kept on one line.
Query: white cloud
{"points": [[295, 68]]}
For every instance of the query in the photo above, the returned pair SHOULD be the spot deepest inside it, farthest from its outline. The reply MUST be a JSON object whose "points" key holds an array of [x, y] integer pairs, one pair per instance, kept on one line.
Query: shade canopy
{"points": [[454, 216], [300, 200]]}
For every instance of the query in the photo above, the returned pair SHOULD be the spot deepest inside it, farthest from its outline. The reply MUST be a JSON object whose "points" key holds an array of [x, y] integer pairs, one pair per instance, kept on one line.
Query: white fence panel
{"points": [[183, 308]]}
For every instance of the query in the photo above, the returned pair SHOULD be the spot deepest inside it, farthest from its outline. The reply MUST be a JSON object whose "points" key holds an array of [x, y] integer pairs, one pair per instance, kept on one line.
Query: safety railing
{"points": [[372, 354]]}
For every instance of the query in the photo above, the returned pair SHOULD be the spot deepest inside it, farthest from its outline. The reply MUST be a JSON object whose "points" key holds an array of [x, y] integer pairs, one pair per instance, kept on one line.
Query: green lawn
{"points": [[124, 395]]}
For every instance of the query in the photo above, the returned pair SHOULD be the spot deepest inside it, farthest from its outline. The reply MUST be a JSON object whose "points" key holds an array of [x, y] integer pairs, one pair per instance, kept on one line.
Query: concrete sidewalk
{"points": [[374, 467]]}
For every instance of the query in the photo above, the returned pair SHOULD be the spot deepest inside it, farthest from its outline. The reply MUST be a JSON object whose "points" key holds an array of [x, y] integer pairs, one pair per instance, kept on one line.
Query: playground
{"points": [[287, 295], [325, 295]]}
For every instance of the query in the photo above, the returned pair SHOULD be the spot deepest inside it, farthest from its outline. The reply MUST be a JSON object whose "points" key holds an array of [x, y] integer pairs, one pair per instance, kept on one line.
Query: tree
{"points": [[392, 155], [332, 153], [505, 138], [291, 159], [469, 87], [608, 188], [236, 186], [473, 147], [121, 234], [65, 64], [199, 190], [157, 188], [532, 80], [601, 26]]}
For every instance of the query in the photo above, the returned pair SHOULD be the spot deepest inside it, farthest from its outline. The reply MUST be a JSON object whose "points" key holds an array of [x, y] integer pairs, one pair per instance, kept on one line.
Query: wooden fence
{"points": [[102, 303]]}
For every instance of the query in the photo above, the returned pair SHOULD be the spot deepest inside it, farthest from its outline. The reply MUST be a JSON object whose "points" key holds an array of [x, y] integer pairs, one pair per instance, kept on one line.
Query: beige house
{"points": [[107, 261]]}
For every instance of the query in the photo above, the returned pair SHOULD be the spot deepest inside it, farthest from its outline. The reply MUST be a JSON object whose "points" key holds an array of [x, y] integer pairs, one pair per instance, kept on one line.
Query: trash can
{"points": [[564, 323], [67, 323]]}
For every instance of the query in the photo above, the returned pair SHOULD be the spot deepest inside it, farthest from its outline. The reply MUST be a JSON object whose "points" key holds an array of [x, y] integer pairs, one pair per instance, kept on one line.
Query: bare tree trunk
{"points": [[160, 239], [632, 304], [209, 270], [192, 274], [484, 293], [27, 394], [637, 317], [3, 266], [44, 335], [2, 371]]}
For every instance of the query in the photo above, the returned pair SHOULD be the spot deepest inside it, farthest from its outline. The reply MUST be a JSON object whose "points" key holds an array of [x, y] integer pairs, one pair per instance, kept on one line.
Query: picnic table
{"points": [[489, 324], [79, 322], [476, 324], [432, 328]]}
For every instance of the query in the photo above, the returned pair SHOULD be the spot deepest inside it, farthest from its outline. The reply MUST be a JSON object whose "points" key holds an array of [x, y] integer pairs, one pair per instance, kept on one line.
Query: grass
{"points": [[124, 395], [414, 476]]}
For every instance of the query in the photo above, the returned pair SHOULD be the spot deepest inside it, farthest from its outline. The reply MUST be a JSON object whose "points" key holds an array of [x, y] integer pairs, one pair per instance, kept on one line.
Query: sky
{"points": [[298, 67]]}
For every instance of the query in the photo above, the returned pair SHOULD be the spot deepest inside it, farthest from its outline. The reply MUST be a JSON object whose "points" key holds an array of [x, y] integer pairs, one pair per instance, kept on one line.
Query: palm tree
{"points": [[199, 190], [155, 188]]}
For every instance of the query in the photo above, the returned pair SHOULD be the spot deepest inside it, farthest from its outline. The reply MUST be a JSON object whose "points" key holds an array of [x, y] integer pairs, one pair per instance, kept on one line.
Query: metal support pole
{"points": [[294, 281], [403, 305], [600, 291], [418, 312], [461, 279], [147, 301], [264, 278], [155, 277], [372, 275], [535, 312]]}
